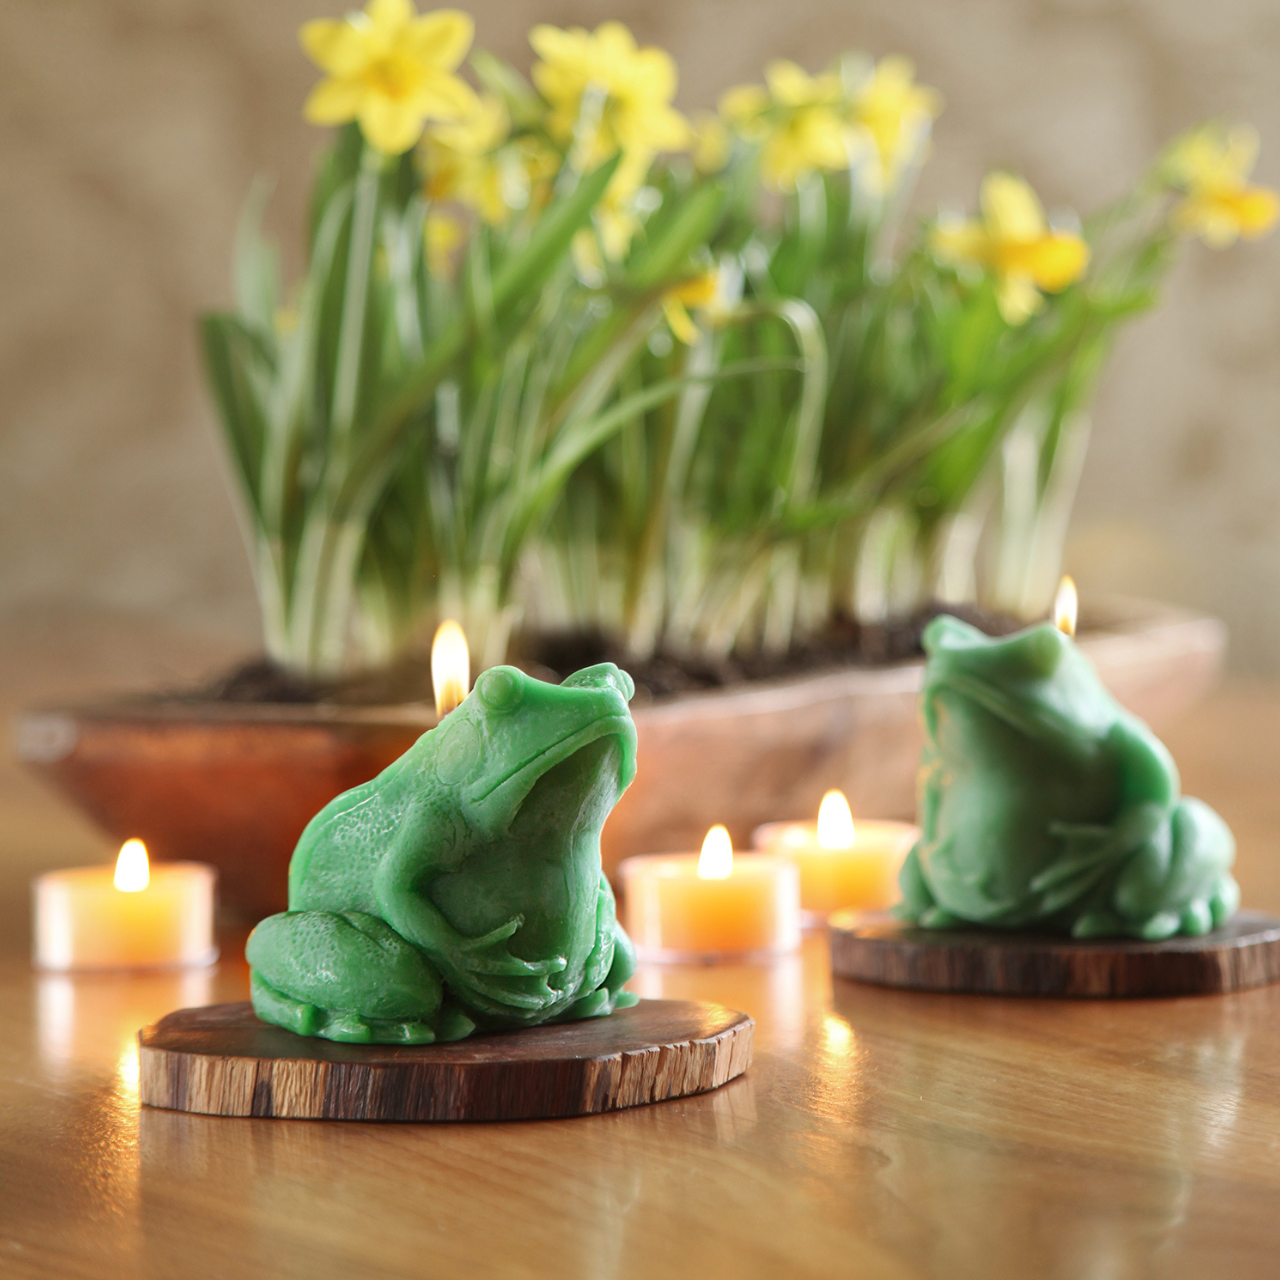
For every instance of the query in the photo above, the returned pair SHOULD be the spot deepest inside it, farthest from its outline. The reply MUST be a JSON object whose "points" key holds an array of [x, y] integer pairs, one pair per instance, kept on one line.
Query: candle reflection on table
{"points": [[84, 1019]]}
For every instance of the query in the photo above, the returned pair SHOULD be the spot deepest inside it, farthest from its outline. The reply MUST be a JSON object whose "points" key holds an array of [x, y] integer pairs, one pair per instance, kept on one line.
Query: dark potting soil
{"points": [[552, 657]]}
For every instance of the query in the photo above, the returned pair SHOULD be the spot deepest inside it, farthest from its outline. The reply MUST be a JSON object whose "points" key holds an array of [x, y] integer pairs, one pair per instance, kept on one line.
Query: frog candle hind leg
{"points": [[1180, 883], [347, 976]]}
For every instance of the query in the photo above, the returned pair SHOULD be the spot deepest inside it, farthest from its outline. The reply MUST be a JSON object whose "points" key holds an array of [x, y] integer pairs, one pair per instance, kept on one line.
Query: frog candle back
{"points": [[1044, 805], [462, 888]]}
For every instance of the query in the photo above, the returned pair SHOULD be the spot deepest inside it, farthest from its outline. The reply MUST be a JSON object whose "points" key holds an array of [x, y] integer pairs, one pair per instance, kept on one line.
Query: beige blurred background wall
{"points": [[131, 129]]}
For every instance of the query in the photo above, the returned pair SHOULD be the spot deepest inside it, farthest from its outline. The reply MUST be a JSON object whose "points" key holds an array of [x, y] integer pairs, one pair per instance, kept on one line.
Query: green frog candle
{"points": [[1044, 805], [462, 887]]}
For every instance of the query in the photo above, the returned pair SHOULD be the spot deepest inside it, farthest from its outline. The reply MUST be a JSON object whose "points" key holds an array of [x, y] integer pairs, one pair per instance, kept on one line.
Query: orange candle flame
{"points": [[835, 822], [133, 872], [1066, 605], [450, 666], [715, 862]]}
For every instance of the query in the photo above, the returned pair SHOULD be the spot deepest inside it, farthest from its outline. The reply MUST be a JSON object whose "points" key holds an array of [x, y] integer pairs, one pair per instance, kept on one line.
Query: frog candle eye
{"points": [[500, 688]]}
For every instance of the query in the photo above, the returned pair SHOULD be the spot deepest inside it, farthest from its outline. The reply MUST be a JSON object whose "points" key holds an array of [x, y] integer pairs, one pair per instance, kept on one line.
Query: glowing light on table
{"points": [[450, 666], [130, 916], [842, 863], [711, 905]]}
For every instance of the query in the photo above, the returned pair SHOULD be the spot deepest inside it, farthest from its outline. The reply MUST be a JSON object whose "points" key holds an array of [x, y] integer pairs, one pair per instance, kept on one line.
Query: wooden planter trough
{"points": [[233, 785]]}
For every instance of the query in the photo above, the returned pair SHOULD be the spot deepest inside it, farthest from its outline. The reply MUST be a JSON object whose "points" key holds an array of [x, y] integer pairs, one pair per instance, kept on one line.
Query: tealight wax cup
{"points": [[131, 916], [842, 864], [711, 906]]}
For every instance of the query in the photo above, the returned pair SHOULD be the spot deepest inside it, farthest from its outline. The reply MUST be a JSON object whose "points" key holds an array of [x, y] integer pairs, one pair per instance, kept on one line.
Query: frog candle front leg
{"points": [[462, 887], [1044, 805]]}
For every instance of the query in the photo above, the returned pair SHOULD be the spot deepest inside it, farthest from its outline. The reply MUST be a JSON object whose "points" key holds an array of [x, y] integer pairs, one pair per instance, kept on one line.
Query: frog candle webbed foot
{"points": [[1179, 881]]}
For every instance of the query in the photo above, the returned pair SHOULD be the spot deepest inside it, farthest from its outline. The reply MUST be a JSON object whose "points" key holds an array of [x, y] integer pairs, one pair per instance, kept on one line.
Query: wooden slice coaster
{"points": [[875, 947], [221, 1060]]}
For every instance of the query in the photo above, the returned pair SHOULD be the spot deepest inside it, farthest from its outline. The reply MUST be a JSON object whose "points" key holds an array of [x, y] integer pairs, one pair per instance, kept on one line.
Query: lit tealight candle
{"points": [[842, 863], [711, 905], [132, 916]]}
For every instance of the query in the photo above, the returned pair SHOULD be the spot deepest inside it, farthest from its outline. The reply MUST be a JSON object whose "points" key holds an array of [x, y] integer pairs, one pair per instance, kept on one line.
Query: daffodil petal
{"points": [[1010, 209], [787, 82], [679, 320], [711, 144], [389, 16], [1204, 217], [1057, 260], [823, 135], [616, 228], [334, 102], [586, 255], [654, 72], [441, 38], [1018, 298], [335, 47], [552, 44], [743, 103], [698, 291], [444, 97], [614, 39], [665, 129], [389, 126], [1256, 210]]}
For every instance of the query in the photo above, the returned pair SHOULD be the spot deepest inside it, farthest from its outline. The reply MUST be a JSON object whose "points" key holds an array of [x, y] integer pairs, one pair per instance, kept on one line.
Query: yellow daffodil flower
{"points": [[1014, 242], [634, 114], [798, 119], [1212, 166], [698, 292], [390, 69], [615, 224], [607, 96], [443, 235], [464, 161], [711, 143], [895, 114]]}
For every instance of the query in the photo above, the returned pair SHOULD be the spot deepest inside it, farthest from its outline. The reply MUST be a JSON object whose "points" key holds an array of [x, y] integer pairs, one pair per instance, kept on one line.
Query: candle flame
{"points": [[835, 822], [450, 666], [715, 862], [1066, 605], [133, 873]]}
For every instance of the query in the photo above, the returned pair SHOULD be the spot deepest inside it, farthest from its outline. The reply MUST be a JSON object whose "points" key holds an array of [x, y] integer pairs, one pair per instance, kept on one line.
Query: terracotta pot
{"points": [[234, 785]]}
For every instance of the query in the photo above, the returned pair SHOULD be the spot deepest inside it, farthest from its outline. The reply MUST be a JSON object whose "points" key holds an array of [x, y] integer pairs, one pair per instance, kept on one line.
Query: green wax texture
{"points": [[462, 888], [1044, 805]]}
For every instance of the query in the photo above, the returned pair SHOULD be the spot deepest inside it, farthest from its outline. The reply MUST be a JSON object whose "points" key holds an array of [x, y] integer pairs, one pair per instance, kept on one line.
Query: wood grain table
{"points": [[879, 1134]]}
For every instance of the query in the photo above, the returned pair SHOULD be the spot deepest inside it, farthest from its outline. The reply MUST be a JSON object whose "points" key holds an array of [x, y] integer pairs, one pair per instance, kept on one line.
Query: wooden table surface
{"points": [[879, 1133]]}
